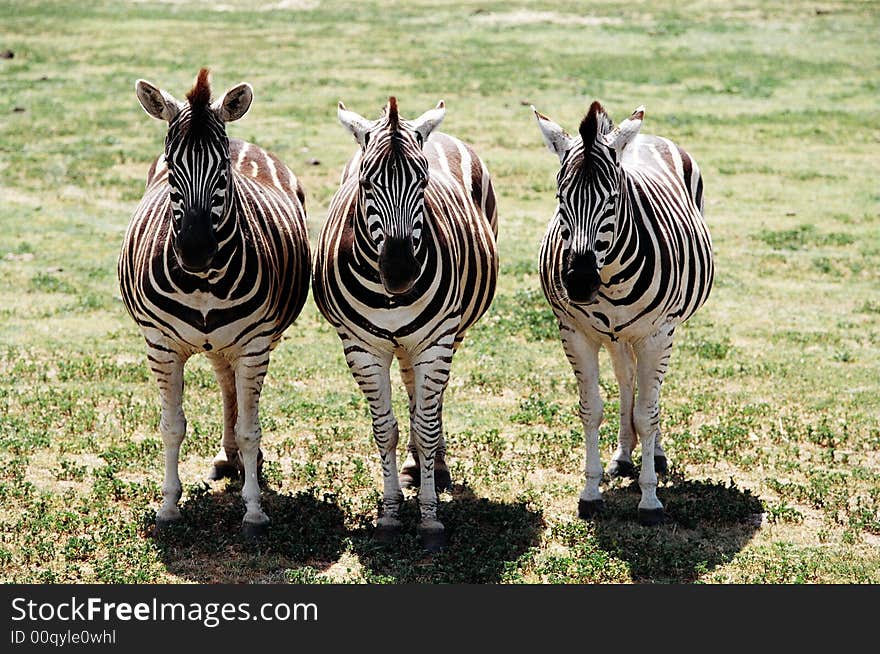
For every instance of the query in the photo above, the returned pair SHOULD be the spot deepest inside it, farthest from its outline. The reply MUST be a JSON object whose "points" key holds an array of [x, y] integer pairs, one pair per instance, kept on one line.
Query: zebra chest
{"points": [[360, 307], [398, 323], [618, 316], [376, 318], [207, 321], [202, 304]]}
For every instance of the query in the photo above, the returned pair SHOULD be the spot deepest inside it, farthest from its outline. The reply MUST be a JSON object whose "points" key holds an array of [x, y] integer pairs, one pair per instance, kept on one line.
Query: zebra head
{"points": [[197, 156], [393, 178], [588, 190]]}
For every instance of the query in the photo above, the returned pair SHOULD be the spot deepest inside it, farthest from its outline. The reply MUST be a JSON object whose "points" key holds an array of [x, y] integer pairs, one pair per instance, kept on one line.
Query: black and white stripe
{"points": [[215, 260], [405, 263], [626, 258]]}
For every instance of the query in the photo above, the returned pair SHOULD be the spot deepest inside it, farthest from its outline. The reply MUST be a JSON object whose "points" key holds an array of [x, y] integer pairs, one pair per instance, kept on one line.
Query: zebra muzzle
{"points": [[398, 267], [581, 278], [195, 243]]}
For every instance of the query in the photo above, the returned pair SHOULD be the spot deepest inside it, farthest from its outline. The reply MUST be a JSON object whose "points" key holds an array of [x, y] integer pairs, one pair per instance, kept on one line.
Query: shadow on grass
{"points": [[206, 546], [484, 538], [707, 523]]}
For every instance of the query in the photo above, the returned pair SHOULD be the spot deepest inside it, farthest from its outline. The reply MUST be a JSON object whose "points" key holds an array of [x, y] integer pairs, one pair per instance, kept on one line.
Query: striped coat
{"points": [[405, 263], [659, 268], [216, 260], [261, 286], [462, 225], [626, 258]]}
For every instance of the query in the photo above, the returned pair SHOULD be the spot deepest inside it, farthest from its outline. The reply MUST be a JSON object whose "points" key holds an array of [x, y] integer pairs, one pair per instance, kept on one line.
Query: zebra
{"points": [[405, 262], [626, 258], [216, 259]]}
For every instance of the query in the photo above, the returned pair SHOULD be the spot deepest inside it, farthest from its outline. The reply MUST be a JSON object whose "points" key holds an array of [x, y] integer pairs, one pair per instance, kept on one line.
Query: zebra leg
{"points": [[250, 371], [652, 361], [431, 369], [583, 354], [167, 367], [661, 464], [410, 473], [224, 464], [372, 371], [442, 478], [624, 363]]}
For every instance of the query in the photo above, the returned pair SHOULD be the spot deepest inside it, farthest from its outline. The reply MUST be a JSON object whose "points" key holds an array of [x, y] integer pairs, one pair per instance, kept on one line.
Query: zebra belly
{"points": [[208, 334], [610, 323], [387, 329]]}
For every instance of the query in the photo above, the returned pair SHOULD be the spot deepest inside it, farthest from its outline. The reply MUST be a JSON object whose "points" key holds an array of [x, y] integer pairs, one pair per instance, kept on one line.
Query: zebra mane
{"points": [[393, 116], [199, 124], [595, 124], [393, 122], [199, 95]]}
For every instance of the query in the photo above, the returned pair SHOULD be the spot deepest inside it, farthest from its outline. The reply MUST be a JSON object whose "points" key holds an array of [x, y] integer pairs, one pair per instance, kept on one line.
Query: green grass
{"points": [[772, 403]]}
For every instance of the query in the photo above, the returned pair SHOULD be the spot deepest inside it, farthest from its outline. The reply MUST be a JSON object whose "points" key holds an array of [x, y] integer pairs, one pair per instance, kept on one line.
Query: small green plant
{"points": [[69, 471], [782, 513], [536, 410]]}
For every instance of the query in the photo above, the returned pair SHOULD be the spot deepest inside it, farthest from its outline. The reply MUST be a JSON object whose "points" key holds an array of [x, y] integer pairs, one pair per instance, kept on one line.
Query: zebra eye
{"points": [[365, 184], [566, 234]]}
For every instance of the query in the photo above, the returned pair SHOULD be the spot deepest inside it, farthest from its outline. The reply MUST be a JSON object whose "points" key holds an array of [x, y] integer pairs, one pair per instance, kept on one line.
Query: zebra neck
{"points": [[364, 249], [621, 251], [228, 232]]}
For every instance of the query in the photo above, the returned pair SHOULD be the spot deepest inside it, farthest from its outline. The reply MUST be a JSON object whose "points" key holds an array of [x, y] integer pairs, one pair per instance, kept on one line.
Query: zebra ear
{"points": [[354, 123], [429, 121], [621, 135], [156, 102], [557, 139], [235, 103]]}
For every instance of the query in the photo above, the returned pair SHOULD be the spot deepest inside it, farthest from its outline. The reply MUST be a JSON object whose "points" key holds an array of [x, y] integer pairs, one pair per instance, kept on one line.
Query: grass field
{"points": [[771, 408]]}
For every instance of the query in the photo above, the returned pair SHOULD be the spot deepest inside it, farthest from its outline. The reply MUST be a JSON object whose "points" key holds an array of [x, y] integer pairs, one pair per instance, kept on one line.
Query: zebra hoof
{"points": [[622, 469], [254, 530], [164, 524], [660, 465], [386, 534], [589, 509], [433, 539], [222, 471], [651, 517]]}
